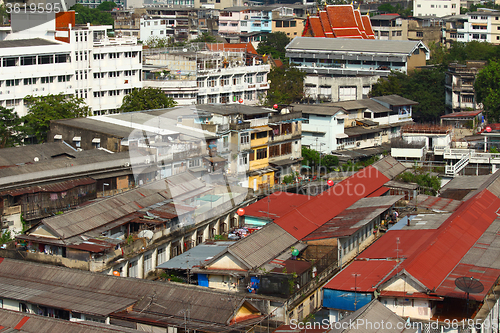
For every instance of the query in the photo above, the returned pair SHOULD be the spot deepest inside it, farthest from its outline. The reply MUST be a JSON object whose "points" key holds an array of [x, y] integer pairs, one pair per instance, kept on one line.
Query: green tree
{"points": [[487, 88], [93, 16], [274, 44], [43, 109], [330, 162], [156, 42], [430, 184], [10, 127], [106, 6], [287, 85], [424, 86], [146, 99], [310, 157], [205, 38]]}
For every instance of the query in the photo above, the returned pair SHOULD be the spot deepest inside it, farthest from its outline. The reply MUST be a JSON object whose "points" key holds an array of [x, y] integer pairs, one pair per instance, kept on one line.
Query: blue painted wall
{"points": [[344, 300]]}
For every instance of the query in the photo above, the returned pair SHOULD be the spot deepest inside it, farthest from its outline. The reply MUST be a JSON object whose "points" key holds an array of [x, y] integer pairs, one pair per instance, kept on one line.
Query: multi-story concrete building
{"points": [[245, 19], [79, 60], [209, 73], [389, 27], [285, 20], [459, 86], [344, 69], [217, 4], [96, 3], [437, 8], [480, 26]]}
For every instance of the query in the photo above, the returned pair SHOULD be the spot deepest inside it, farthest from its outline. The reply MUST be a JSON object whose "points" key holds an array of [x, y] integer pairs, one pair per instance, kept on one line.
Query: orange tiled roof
{"points": [[224, 46], [339, 21], [368, 27]]}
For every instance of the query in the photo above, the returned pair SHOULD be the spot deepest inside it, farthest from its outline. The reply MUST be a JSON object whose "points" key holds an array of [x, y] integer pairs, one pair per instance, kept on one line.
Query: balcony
{"points": [[239, 126], [275, 118]]}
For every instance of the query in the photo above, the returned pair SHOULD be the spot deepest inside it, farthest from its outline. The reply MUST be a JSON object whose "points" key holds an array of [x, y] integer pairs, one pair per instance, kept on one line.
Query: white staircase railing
{"points": [[453, 170]]}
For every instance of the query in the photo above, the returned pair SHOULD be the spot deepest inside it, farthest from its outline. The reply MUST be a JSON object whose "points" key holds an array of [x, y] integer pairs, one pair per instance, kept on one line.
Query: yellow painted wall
{"points": [[259, 164], [244, 311], [270, 179], [291, 32]]}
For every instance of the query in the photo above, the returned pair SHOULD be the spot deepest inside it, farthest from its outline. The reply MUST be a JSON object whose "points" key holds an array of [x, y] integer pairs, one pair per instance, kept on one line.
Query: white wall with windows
{"points": [[438, 8]]}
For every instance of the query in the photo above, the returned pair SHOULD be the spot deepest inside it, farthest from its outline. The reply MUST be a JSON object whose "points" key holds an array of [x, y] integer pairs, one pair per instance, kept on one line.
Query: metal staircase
{"points": [[453, 170]]}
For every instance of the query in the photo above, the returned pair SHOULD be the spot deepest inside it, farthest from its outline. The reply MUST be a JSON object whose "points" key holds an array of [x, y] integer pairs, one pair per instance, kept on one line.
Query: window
{"points": [[236, 80], [467, 99], [200, 83], [29, 81], [249, 78], [10, 62], [48, 79], [261, 153], [243, 23], [483, 36], [148, 263], [453, 6], [293, 24], [162, 255], [11, 83], [212, 82], [224, 81], [445, 6], [244, 159], [194, 163], [279, 24], [260, 78], [475, 36], [420, 34], [384, 33], [419, 5], [249, 95], [432, 6], [244, 138], [26, 61]]}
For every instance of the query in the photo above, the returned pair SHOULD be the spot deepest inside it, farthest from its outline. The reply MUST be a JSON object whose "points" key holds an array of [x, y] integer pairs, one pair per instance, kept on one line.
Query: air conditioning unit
{"points": [[148, 161]]}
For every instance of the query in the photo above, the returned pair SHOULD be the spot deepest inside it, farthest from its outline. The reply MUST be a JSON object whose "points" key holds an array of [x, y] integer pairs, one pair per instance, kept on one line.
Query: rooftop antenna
{"points": [[355, 288], [469, 285], [397, 254]]}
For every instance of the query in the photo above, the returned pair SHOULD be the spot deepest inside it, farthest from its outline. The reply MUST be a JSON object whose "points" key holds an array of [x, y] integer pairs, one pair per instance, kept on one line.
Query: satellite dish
{"points": [[469, 285], [146, 234], [36, 159]]}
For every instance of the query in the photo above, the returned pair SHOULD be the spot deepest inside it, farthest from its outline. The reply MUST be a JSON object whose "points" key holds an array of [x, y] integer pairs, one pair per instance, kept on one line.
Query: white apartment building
{"points": [[219, 73], [438, 8], [480, 26], [91, 66]]}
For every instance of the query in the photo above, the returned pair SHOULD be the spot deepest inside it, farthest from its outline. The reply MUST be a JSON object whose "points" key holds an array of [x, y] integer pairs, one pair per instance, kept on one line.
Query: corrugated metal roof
{"points": [[306, 218], [354, 218], [462, 114], [275, 205], [27, 43], [54, 187], [367, 317], [196, 256], [262, 245], [394, 100], [389, 167], [344, 45], [323, 109], [31, 323], [27, 154], [435, 203], [100, 294], [370, 272], [98, 214]]}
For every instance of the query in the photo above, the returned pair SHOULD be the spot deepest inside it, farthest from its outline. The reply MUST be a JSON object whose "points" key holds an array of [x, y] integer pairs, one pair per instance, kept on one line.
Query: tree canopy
{"points": [[204, 38], [398, 9], [10, 127], [106, 6], [487, 88], [274, 44], [43, 109], [424, 86], [287, 85], [146, 99], [93, 16]]}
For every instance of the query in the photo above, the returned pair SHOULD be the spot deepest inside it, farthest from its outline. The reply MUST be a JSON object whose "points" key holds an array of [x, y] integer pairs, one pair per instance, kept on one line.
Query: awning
{"points": [[57, 137], [210, 198], [263, 128], [341, 135], [77, 138], [96, 140]]}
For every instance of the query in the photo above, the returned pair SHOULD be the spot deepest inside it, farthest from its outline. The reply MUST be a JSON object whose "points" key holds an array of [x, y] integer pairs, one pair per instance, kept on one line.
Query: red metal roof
{"points": [[316, 27], [462, 114], [297, 266], [453, 239], [52, 188], [369, 274], [409, 243], [93, 245], [279, 203], [368, 27], [306, 218], [327, 28], [431, 256]]}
